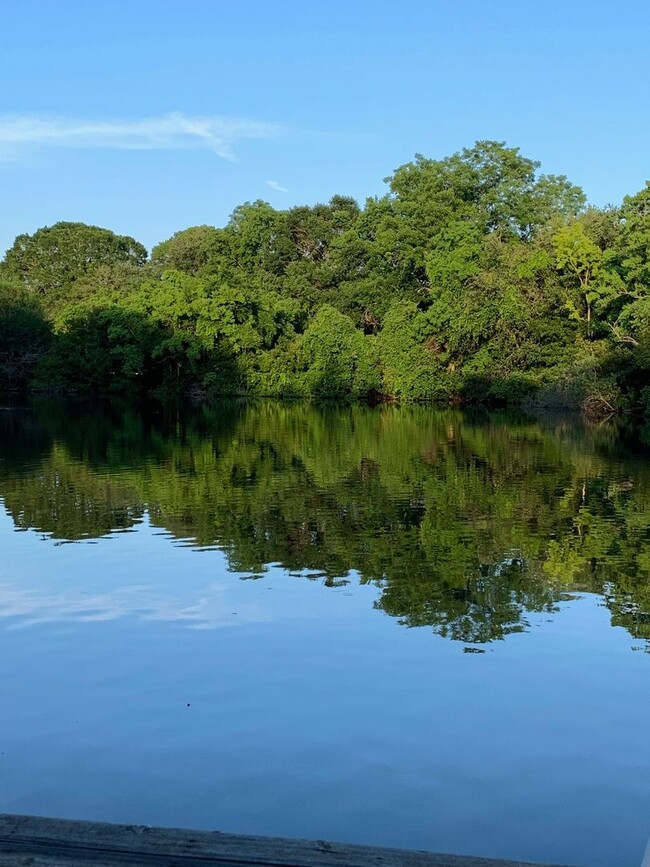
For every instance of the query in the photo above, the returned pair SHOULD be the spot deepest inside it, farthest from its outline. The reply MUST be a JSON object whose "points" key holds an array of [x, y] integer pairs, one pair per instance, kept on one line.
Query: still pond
{"points": [[393, 626]]}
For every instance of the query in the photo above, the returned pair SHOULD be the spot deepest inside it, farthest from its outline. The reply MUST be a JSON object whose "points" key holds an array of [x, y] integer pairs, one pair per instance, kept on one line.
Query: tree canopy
{"points": [[54, 257], [475, 278]]}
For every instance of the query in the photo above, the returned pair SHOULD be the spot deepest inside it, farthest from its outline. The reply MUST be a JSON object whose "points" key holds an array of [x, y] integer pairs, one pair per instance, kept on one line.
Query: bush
{"points": [[342, 362]]}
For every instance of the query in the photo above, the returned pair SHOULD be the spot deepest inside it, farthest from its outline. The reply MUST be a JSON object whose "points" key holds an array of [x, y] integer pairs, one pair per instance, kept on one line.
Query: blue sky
{"points": [[150, 116]]}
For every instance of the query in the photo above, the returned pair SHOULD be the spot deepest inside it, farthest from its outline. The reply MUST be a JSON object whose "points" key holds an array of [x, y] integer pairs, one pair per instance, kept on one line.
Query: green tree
{"points": [[633, 244], [413, 365], [195, 251], [630, 251], [342, 361], [261, 238], [25, 335], [53, 258], [579, 256], [102, 350], [490, 185]]}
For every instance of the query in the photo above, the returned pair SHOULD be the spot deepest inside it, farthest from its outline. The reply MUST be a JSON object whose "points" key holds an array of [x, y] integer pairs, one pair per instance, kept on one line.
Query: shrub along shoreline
{"points": [[475, 279]]}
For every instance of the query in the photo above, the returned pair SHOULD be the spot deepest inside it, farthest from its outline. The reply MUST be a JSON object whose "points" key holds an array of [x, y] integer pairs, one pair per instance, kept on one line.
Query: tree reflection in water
{"points": [[466, 522]]}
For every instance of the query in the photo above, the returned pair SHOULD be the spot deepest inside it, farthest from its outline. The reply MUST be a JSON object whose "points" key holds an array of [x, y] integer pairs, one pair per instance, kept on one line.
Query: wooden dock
{"points": [[28, 841]]}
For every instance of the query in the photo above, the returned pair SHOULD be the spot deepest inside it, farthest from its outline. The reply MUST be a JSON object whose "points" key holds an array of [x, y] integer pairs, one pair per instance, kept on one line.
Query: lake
{"points": [[397, 626]]}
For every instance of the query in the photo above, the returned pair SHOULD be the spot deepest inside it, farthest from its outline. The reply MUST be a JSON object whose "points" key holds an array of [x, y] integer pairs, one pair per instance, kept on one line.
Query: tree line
{"points": [[474, 279]]}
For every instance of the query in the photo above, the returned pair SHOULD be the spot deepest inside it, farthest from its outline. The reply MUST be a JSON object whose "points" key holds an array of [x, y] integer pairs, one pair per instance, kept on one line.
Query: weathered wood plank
{"points": [[38, 842]]}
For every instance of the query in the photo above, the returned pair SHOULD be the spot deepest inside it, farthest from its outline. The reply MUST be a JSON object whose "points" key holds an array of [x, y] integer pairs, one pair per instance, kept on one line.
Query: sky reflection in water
{"points": [[145, 681]]}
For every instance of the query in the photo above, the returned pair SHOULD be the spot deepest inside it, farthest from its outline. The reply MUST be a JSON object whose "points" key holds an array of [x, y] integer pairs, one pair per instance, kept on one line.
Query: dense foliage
{"points": [[464, 523], [475, 279]]}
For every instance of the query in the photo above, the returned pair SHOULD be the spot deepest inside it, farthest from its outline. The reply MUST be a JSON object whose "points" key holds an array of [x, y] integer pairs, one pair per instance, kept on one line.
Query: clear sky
{"points": [[150, 116]]}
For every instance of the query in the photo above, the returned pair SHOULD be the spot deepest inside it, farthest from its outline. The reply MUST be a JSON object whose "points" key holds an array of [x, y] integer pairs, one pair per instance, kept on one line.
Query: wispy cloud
{"points": [[200, 607], [276, 186], [168, 132]]}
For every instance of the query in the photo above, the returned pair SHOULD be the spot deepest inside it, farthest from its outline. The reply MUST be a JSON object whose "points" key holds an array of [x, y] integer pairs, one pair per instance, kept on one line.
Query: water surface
{"points": [[396, 626]]}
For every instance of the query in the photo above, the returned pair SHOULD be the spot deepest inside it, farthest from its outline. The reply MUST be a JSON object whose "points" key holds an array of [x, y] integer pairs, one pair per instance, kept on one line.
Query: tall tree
{"points": [[54, 257]]}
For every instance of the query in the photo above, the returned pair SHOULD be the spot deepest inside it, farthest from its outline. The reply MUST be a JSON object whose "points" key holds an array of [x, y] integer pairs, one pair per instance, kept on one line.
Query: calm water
{"points": [[394, 626]]}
